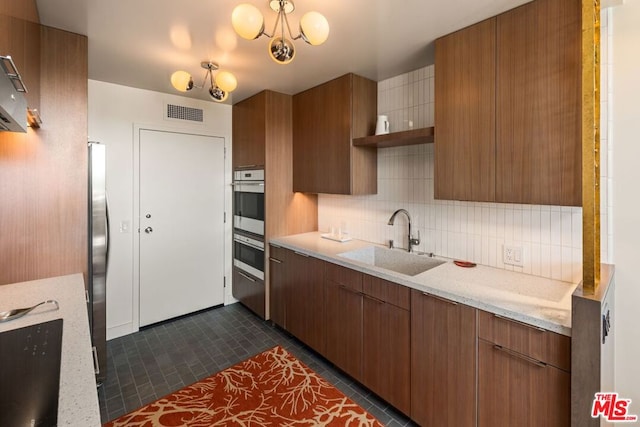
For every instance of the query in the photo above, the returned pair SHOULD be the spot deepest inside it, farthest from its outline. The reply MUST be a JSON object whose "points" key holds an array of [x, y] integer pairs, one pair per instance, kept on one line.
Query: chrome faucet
{"points": [[412, 241]]}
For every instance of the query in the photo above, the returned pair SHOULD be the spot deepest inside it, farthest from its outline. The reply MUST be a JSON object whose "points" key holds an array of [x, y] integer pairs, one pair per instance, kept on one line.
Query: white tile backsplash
{"points": [[551, 236]]}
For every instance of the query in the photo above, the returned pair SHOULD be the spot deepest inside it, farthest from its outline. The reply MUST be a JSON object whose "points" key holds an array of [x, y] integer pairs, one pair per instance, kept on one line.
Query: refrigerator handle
{"points": [[106, 233]]}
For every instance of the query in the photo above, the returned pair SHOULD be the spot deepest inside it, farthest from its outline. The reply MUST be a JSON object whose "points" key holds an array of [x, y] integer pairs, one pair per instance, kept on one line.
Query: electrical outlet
{"points": [[513, 255]]}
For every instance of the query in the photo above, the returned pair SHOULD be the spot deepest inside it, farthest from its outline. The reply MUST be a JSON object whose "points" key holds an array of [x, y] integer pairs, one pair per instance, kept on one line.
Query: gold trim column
{"points": [[590, 145]]}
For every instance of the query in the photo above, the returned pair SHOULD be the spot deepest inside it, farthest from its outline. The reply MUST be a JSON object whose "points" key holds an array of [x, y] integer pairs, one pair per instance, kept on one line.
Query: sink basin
{"points": [[394, 260]]}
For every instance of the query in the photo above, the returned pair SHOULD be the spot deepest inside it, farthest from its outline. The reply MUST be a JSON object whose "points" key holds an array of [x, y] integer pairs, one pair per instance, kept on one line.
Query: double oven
{"points": [[248, 239]]}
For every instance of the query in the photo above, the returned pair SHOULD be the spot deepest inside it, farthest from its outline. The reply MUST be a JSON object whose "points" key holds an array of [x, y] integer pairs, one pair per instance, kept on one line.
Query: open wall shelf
{"points": [[397, 139]]}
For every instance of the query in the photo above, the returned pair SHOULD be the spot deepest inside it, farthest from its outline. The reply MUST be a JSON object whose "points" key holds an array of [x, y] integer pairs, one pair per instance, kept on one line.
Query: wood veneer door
{"points": [[322, 138], [538, 104], [343, 320], [386, 352], [278, 277], [305, 300], [443, 362], [465, 114], [248, 131], [515, 391]]}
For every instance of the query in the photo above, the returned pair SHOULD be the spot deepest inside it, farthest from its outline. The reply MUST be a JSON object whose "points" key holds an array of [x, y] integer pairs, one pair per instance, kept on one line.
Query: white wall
{"points": [[625, 134], [114, 110]]}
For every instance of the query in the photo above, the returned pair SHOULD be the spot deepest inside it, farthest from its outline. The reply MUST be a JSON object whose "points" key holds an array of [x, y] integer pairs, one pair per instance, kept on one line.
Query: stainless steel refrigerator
{"points": [[98, 257]]}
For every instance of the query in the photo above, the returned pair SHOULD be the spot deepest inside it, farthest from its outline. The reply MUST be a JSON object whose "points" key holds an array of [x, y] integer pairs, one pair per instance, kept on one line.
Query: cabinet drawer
{"points": [[537, 343], [344, 276], [386, 291]]}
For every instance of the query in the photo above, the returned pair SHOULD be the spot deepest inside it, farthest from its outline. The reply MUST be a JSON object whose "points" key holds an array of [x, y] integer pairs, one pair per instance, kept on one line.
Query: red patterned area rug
{"points": [[270, 389]]}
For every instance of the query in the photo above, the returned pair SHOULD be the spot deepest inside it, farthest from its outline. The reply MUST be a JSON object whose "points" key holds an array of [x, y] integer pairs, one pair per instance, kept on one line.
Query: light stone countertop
{"points": [[533, 300], [78, 399]]}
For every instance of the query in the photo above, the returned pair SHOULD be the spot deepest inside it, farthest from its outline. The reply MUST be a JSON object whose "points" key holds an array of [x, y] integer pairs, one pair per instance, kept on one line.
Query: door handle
{"points": [[148, 230]]}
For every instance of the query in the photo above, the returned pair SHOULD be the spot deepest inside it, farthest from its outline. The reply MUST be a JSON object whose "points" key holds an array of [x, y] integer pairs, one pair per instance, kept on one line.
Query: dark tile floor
{"points": [[158, 360]]}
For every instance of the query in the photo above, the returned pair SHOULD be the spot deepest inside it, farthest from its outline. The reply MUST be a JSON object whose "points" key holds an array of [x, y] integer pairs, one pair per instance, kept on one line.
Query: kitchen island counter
{"points": [[78, 398], [533, 300]]}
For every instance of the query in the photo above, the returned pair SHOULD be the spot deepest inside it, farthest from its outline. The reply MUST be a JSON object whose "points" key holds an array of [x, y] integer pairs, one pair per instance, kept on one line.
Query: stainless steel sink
{"points": [[394, 260]]}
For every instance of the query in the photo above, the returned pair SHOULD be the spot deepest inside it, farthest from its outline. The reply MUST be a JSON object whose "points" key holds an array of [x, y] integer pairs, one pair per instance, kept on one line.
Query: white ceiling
{"points": [[140, 43]]}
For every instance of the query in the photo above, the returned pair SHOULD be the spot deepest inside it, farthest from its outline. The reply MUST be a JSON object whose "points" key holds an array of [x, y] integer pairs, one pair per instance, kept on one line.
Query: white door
{"points": [[181, 224]]}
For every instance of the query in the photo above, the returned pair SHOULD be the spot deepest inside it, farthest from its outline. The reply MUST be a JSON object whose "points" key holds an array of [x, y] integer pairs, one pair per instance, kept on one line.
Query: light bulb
{"points": [[181, 80], [281, 50], [247, 21], [314, 28], [226, 81]]}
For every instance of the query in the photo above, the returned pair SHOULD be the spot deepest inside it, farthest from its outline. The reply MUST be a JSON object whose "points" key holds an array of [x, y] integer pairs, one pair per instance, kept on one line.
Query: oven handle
{"points": [[246, 277], [251, 245], [249, 183]]}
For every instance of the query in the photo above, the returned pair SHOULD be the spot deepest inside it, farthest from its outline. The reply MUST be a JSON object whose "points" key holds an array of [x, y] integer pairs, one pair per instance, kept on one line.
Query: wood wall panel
{"points": [[43, 173]]}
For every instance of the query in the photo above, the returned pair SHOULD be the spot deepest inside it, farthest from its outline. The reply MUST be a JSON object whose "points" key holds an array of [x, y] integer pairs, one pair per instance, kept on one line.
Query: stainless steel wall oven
{"points": [[248, 201]]}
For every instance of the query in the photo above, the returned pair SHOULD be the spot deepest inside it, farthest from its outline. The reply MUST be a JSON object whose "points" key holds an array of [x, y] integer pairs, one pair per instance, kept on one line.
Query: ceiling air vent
{"points": [[184, 113]]}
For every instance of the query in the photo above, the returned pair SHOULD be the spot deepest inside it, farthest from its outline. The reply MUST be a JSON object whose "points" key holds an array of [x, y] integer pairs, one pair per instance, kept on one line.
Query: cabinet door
{"points": [[516, 390], [321, 138], [305, 299], [278, 268], [250, 291], [538, 104], [465, 114], [386, 348], [443, 362], [248, 131], [343, 318], [325, 119]]}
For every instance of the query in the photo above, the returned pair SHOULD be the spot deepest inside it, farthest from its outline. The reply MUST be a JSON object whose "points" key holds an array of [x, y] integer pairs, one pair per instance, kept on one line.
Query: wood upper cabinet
{"points": [[386, 367], [326, 118], [443, 362], [538, 139], [507, 108], [343, 318], [465, 102], [249, 121], [523, 374]]}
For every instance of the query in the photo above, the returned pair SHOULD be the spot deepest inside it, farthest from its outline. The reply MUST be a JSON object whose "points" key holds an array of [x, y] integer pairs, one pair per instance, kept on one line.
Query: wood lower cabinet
{"points": [[517, 390], [438, 361], [278, 268], [386, 367], [523, 374], [326, 118], [344, 319], [443, 362], [249, 290], [305, 299]]}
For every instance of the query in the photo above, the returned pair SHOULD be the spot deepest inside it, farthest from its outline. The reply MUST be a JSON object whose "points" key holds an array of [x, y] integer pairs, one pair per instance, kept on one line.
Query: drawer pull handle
{"points": [[301, 254], [520, 356], [369, 297], [537, 328], [350, 290], [448, 301], [247, 277], [277, 261]]}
